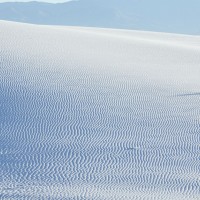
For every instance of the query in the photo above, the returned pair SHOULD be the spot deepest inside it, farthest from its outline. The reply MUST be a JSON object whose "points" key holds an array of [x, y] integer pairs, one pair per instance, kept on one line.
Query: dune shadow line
{"points": [[189, 94]]}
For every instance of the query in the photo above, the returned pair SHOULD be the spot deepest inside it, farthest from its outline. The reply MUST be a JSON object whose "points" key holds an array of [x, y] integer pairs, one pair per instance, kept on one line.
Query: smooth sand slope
{"points": [[96, 114]]}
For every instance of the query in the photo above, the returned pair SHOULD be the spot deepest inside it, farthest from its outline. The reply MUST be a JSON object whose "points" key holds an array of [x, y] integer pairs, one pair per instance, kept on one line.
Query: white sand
{"points": [[92, 114]]}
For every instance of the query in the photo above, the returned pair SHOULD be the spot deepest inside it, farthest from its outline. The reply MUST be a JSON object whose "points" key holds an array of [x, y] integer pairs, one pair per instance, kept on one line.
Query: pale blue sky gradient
{"points": [[50, 1]]}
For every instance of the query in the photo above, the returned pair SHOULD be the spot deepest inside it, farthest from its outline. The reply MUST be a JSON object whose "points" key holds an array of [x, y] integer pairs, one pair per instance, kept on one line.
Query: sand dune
{"points": [[101, 114]]}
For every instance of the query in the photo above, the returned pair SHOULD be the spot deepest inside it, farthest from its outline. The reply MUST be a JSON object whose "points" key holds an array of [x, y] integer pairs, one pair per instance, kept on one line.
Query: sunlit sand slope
{"points": [[98, 114]]}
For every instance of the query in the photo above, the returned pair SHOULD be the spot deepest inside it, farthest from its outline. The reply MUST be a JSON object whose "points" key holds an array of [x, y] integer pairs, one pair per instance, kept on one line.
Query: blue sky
{"points": [[51, 1]]}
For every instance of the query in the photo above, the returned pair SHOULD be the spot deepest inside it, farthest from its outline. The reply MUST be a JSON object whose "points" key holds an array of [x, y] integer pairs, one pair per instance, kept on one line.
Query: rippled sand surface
{"points": [[98, 114]]}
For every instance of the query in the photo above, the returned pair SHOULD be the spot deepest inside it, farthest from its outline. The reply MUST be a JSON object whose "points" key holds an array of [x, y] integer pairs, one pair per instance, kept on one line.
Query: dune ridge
{"points": [[88, 113]]}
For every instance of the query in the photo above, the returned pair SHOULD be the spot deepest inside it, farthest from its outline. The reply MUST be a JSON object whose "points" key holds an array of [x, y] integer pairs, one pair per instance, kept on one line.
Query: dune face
{"points": [[98, 114]]}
